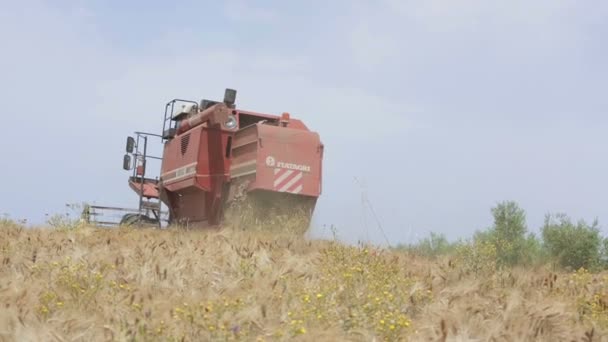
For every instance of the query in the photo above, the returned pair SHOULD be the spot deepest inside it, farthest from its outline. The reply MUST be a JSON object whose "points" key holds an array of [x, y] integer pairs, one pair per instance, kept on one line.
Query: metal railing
{"points": [[168, 123]]}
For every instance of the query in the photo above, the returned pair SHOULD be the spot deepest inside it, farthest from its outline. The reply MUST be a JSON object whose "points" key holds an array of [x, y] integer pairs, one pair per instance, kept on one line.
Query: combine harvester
{"points": [[221, 163]]}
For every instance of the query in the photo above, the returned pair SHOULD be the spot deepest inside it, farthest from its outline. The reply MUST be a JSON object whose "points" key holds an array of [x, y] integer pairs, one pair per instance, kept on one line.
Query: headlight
{"points": [[230, 122]]}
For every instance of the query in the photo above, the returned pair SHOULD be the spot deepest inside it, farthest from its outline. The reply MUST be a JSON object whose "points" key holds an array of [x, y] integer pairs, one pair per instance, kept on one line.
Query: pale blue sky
{"points": [[441, 108]]}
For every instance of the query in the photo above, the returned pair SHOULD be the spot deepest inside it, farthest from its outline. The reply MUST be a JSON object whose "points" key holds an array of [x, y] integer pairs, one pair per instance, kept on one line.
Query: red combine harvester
{"points": [[216, 157]]}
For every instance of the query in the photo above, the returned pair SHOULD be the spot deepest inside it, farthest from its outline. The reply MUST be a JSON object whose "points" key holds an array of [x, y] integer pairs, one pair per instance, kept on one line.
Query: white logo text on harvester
{"points": [[271, 162]]}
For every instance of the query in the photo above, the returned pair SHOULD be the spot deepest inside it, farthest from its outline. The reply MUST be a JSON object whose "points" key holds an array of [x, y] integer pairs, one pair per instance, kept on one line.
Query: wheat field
{"points": [[92, 284]]}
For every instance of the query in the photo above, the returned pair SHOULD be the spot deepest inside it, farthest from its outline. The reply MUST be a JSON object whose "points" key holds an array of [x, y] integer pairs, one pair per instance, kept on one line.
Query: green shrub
{"points": [[573, 245], [532, 252], [64, 221], [478, 257], [508, 243], [509, 235], [434, 245], [604, 253]]}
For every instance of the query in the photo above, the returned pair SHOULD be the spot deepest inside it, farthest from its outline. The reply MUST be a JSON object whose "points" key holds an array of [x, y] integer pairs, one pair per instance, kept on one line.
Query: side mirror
{"points": [[126, 162], [130, 144]]}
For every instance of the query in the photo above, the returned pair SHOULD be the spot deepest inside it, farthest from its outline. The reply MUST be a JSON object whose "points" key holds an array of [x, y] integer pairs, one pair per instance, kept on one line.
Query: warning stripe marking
{"points": [[290, 181], [297, 190], [282, 177]]}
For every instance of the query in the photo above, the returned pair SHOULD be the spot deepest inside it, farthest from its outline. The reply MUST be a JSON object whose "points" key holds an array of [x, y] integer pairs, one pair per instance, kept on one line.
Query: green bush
{"points": [[573, 245], [508, 234], [434, 245], [508, 243], [63, 221], [532, 252], [478, 257], [604, 253]]}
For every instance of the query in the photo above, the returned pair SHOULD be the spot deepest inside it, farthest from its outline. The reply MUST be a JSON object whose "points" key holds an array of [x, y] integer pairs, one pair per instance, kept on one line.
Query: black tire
{"points": [[137, 220]]}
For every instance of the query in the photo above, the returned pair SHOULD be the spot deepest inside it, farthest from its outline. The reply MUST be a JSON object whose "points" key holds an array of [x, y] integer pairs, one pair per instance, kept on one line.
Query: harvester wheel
{"points": [[138, 220]]}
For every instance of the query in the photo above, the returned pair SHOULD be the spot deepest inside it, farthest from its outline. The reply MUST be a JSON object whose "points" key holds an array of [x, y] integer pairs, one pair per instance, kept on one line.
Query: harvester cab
{"points": [[221, 164]]}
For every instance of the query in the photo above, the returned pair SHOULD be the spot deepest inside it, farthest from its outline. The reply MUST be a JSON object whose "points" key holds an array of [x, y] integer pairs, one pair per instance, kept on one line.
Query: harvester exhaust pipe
{"points": [[230, 97]]}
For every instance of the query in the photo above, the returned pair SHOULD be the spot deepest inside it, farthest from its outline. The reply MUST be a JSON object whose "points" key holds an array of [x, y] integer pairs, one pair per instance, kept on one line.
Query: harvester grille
{"points": [[185, 142]]}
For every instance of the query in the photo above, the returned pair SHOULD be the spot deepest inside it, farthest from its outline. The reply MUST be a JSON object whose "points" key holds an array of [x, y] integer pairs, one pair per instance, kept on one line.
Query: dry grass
{"points": [[91, 284]]}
